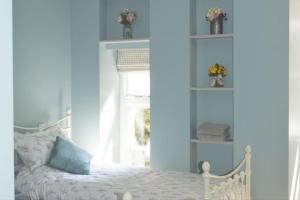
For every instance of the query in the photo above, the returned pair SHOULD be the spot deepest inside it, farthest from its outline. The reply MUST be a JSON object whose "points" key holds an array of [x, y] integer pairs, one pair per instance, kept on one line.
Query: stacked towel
{"points": [[213, 132]]}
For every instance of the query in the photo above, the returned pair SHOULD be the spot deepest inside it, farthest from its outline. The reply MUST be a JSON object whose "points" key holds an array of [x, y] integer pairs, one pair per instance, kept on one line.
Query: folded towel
{"points": [[208, 128], [213, 138], [212, 134]]}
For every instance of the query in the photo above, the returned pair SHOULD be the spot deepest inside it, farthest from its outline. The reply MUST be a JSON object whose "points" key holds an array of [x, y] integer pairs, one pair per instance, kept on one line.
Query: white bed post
{"points": [[69, 122], [206, 179], [248, 171], [127, 196]]}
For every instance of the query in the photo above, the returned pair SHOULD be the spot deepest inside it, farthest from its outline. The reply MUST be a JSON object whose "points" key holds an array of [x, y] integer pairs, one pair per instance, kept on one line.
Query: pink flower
{"points": [[130, 17]]}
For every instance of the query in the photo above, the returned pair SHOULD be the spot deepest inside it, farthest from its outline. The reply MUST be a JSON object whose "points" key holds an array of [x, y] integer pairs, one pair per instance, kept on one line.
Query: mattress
{"points": [[109, 182]]}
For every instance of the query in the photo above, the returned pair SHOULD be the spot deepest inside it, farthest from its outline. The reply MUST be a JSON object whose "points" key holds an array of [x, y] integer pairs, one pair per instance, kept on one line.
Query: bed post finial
{"points": [[68, 111], [127, 196], [248, 151], [206, 177], [69, 121]]}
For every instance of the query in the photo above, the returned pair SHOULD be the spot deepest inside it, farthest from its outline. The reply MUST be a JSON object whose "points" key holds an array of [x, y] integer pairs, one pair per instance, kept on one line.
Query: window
{"points": [[135, 118], [138, 84]]}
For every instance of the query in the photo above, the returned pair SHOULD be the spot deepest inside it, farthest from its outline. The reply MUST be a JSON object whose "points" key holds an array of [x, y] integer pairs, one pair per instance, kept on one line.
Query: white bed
{"points": [[111, 182], [115, 182]]}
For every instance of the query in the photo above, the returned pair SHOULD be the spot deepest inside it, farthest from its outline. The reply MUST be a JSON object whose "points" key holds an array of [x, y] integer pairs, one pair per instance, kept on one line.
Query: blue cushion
{"points": [[68, 157]]}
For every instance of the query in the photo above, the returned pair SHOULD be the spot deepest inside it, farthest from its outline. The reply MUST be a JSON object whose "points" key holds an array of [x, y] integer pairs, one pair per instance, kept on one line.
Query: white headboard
{"points": [[64, 124]]}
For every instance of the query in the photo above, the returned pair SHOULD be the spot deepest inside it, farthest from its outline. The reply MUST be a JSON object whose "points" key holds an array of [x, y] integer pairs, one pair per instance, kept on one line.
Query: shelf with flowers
{"points": [[217, 73], [126, 18], [216, 17], [211, 18]]}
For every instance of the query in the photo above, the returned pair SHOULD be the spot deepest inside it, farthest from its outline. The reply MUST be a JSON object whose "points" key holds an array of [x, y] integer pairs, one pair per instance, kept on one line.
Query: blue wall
{"points": [[41, 60], [85, 32], [170, 116], [6, 102], [103, 19], [43, 31], [261, 92]]}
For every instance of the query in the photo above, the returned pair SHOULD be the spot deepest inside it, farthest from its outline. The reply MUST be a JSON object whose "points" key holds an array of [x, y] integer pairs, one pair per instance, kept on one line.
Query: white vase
{"points": [[217, 81]]}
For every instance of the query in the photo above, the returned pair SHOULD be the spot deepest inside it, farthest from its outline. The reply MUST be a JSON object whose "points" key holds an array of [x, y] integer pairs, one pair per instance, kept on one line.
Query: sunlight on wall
{"points": [[297, 190], [294, 99], [107, 120], [295, 179], [109, 107]]}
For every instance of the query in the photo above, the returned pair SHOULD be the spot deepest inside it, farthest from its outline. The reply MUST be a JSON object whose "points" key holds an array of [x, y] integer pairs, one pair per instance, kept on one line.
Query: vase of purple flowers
{"points": [[126, 18]]}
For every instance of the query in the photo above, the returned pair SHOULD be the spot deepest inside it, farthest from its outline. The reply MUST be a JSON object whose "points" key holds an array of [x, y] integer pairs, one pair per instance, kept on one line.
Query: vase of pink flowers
{"points": [[126, 18], [216, 16]]}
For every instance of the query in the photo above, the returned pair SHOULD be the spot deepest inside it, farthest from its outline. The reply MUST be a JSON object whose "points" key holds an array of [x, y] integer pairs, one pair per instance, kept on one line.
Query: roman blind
{"points": [[133, 59]]}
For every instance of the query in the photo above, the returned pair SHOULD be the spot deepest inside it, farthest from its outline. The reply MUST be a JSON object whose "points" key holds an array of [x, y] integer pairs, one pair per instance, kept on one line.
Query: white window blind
{"points": [[133, 59]]}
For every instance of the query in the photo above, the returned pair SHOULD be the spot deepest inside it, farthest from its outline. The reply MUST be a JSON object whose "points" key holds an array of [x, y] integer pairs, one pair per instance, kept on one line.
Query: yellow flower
{"points": [[216, 69]]}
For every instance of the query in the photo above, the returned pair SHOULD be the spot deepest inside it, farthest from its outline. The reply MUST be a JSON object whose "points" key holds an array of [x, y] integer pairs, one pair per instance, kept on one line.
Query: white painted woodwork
{"points": [[65, 124], [239, 188], [211, 142], [199, 37], [130, 41], [212, 89]]}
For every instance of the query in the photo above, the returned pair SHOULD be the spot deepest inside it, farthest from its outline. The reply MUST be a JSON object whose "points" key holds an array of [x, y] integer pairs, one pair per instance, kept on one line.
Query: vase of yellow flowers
{"points": [[126, 18], [217, 73], [216, 16]]}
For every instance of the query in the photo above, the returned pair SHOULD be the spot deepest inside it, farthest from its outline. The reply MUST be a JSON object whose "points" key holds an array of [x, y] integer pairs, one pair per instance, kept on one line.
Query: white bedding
{"points": [[110, 182]]}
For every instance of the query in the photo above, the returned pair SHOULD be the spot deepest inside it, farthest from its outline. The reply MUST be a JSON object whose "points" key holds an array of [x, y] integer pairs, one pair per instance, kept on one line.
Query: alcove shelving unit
{"points": [[208, 104], [111, 43]]}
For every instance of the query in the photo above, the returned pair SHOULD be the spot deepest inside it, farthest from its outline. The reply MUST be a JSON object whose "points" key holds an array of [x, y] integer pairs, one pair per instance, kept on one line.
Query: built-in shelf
{"points": [[211, 142], [129, 41], [199, 37], [126, 44], [212, 89]]}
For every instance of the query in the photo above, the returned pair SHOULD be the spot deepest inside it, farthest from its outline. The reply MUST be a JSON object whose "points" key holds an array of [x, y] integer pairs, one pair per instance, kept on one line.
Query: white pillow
{"points": [[34, 149]]}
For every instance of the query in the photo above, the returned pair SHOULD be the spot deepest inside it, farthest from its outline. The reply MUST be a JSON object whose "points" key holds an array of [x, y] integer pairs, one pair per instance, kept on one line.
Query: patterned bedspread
{"points": [[110, 182]]}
